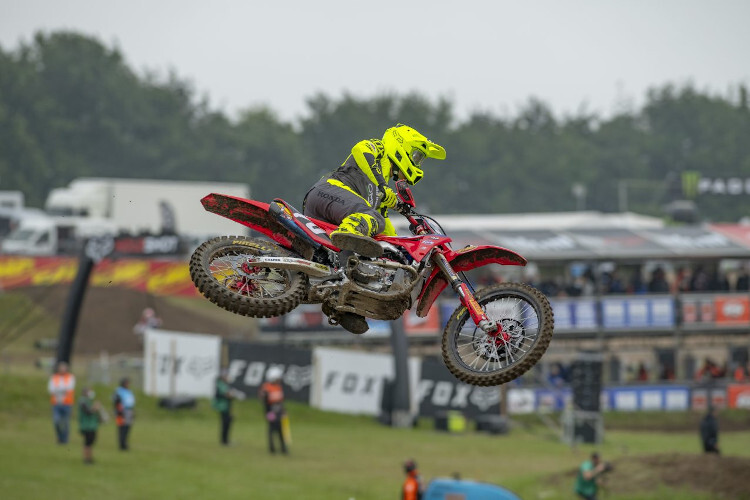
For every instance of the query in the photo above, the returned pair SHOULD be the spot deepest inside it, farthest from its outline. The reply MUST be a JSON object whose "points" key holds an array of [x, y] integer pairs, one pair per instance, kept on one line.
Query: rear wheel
{"points": [[224, 272], [477, 358]]}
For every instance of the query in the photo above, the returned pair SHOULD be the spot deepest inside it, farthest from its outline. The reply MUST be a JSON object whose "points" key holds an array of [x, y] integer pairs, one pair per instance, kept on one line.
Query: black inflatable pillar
{"points": [[401, 414], [94, 250]]}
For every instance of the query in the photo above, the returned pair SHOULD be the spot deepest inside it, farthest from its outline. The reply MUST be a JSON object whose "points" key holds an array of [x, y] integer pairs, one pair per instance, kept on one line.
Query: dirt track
{"points": [[108, 316], [721, 477]]}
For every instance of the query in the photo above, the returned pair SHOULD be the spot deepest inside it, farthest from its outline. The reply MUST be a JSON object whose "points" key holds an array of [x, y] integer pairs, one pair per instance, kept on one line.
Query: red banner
{"points": [[159, 277], [732, 310], [739, 395]]}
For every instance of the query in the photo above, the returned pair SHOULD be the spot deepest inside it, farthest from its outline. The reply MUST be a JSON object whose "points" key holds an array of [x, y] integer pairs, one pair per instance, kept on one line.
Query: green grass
{"points": [[177, 455]]}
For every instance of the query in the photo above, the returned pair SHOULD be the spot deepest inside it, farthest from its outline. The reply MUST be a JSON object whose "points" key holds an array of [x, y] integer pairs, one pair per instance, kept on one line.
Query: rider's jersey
{"points": [[365, 172]]}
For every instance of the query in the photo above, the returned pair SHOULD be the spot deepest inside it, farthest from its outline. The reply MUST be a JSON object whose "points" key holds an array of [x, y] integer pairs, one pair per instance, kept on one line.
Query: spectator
{"points": [[611, 282], [60, 387], [556, 377], [642, 372], [667, 372], [124, 403], [412, 487], [272, 395], [148, 319], [741, 373], [658, 283], [700, 281], [709, 431], [682, 280], [586, 485], [719, 282], [222, 403], [743, 280], [90, 414], [709, 370]]}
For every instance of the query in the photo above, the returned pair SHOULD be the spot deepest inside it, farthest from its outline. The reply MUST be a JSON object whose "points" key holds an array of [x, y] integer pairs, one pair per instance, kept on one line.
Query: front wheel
{"points": [[477, 358], [224, 272]]}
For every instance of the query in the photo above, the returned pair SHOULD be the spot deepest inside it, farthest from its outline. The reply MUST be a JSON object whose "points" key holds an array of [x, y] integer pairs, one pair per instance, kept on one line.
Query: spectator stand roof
{"points": [[595, 236]]}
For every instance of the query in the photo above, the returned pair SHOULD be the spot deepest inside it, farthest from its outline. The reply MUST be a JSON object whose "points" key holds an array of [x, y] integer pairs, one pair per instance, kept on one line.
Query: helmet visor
{"points": [[417, 156]]}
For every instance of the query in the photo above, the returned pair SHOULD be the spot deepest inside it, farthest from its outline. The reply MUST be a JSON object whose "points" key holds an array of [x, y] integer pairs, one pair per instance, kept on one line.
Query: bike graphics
{"points": [[498, 333]]}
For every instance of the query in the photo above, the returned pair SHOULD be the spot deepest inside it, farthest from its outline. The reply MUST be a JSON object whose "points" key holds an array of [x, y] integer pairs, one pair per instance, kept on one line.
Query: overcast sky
{"points": [[484, 55]]}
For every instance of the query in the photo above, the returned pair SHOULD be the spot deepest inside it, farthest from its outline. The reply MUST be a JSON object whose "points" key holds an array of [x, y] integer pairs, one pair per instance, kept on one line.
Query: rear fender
{"points": [[465, 259], [254, 214]]}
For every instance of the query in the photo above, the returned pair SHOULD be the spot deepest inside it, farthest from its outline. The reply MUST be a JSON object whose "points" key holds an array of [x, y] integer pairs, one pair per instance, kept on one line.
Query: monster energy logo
{"points": [[694, 185], [690, 181]]}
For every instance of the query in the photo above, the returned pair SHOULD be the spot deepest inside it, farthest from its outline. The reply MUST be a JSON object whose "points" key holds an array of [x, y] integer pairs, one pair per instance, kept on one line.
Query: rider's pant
{"points": [[338, 205]]}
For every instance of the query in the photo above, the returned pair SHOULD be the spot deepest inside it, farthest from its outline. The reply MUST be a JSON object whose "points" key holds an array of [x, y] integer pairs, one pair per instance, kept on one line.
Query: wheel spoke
{"points": [[481, 352], [236, 272]]}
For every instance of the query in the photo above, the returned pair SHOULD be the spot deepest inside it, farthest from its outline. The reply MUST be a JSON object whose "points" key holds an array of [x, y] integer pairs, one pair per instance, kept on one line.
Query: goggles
{"points": [[417, 155]]}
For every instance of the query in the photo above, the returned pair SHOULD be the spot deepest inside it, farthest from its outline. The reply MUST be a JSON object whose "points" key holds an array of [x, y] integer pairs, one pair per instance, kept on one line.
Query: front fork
{"points": [[490, 327]]}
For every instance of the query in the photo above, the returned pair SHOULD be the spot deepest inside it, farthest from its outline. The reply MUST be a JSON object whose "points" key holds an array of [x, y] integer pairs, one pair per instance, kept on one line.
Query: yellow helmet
{"points": [[406, 148]]}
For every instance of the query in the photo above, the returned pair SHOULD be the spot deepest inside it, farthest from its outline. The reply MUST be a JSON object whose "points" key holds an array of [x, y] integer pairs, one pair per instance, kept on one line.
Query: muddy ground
{"points": [[108, 316], [720, 477]]}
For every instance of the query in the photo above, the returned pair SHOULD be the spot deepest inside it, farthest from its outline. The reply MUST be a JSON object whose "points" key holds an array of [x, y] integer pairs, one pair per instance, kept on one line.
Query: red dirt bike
{"points": [[497, 334]]}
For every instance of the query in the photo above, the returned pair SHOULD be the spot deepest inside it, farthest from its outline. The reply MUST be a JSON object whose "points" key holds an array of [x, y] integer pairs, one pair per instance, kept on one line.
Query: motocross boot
{"points": [[354, 233]]}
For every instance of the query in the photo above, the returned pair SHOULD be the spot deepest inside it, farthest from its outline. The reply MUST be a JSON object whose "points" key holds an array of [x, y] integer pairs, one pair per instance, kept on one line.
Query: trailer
{"points": [[146, 206]]}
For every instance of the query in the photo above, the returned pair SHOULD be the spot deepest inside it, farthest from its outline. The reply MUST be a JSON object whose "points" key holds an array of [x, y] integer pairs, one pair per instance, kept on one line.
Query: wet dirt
{"points": [[720, 477], [108, 315]]}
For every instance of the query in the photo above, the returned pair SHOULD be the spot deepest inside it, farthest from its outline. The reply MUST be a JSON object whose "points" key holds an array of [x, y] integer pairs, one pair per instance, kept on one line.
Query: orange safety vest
{"points": [[274, 392], [63, 381], [412, 489]]}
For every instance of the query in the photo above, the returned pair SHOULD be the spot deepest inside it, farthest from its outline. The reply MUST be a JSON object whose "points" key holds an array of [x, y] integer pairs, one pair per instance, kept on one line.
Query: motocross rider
{"points": [[356, 196]]}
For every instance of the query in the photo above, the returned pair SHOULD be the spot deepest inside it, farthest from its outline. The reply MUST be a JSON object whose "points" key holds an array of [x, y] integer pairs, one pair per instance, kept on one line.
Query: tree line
{"points": [[71, 106]]}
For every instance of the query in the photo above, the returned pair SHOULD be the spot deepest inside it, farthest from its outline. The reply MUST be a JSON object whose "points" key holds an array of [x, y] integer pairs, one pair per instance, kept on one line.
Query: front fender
{"points": [[464, 260]]}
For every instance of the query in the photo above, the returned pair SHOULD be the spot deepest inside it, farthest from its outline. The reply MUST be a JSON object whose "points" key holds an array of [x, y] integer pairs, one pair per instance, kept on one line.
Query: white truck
{"points": [[117, 207], [139, 206], [42, 234]]}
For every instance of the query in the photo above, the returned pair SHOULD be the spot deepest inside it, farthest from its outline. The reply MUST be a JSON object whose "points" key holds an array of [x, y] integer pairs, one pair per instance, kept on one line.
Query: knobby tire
{"points": [[460, 317], [238, 303]]}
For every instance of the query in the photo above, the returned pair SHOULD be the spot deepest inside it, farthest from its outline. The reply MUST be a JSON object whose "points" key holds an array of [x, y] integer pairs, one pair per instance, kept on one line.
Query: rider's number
{"points": [[310, 224]]}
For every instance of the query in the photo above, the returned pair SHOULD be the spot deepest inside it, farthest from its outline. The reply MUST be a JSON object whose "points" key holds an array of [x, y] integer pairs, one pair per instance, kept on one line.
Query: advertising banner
{"points": [[648, 398], [575, 315], [521, 401], [732, 310], [699, 398], [248, 364], [439, 391], [180, 364], [738, 396], [352, 382], [622, 313], [160, 277], [697, 310], [550, 400]]}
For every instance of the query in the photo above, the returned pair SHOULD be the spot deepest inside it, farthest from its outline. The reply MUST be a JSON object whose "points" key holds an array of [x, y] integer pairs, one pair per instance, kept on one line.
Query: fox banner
{"points": [[353, 382], [248, 364], [439, 391], [180, 364]]}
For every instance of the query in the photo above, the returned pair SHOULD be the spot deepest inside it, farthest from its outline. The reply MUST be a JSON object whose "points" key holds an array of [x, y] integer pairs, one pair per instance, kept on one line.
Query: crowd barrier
{"points": [[609, 314], [347, 381]]}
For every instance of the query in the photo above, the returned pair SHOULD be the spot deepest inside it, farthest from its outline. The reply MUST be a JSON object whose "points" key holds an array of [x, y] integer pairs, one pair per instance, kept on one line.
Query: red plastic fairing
{"points": [[417, 246], [254, 214], [317, 230], [464, 260]]}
